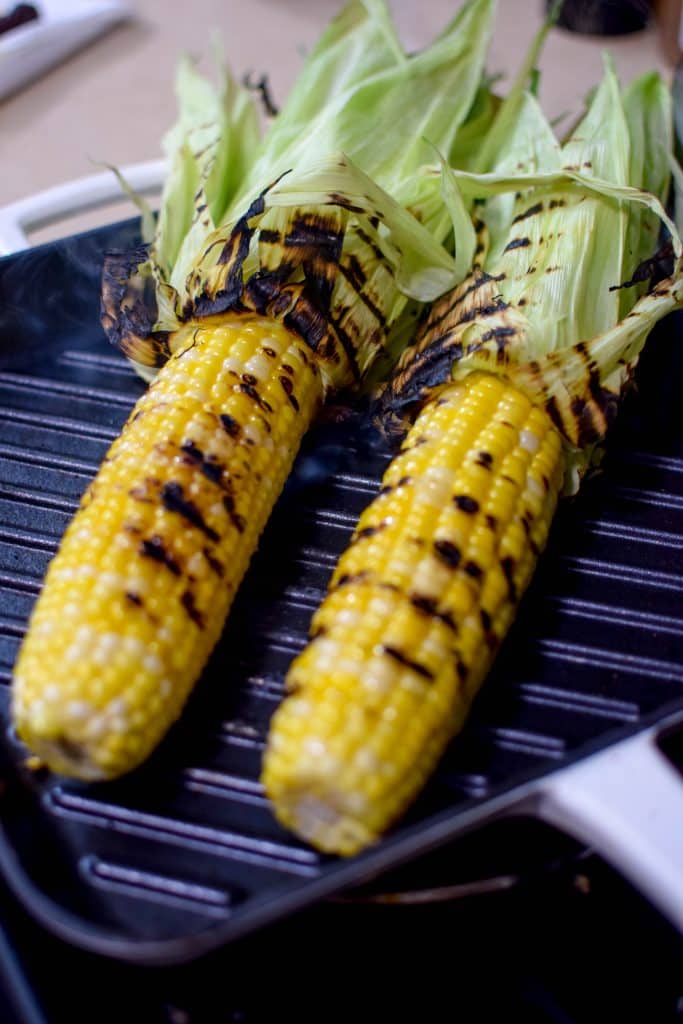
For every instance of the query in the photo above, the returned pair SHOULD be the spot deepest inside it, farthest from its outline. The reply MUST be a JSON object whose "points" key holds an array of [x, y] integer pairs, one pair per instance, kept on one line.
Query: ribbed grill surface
{"points": [[190, 837]]}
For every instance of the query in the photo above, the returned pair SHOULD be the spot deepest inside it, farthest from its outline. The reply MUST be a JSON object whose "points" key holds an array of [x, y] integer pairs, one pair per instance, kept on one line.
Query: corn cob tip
{"points": [[318, 811]]}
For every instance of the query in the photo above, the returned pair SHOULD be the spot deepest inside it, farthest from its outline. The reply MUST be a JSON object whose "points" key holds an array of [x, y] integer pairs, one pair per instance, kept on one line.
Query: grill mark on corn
{"points": [[448, 553], [473, 570], [466, 504], [207, 464], [397, 655], [187, 600], [484, 459], [236, 519], [507, 564], [249, 390], [214, 563], [368, 531], [428, 606], [173, 499], [288, 389], [134, 598], [153, 547]]}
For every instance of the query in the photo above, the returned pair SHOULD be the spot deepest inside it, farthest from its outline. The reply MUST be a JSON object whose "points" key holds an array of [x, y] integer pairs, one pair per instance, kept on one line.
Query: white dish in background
{"points": [[63, 26]]}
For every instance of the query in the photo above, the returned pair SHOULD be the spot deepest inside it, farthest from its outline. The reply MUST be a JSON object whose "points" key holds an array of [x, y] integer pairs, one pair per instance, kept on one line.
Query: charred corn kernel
{"points": [[415, 612], [136, 597]]}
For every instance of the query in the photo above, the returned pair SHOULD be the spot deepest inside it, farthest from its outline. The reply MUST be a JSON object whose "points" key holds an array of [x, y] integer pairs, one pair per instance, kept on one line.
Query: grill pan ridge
{"points": [[185, 854]]}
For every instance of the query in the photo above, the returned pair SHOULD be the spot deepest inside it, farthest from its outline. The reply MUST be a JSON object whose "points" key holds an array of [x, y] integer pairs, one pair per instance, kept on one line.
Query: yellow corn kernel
{"points": [[137, 595], [416, 609]]}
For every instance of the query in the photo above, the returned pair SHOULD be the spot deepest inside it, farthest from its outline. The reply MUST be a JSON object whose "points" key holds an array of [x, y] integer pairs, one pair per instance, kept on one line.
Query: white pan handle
{"points": [[627, 803], [73, 197]]}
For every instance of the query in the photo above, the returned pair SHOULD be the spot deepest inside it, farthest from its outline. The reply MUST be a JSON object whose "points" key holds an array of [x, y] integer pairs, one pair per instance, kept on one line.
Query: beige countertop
{"points": [[113, 100]]}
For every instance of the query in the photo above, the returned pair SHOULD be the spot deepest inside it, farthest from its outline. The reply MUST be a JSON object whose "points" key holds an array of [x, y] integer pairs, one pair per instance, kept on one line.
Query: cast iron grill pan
{"points": [[185, 854]]}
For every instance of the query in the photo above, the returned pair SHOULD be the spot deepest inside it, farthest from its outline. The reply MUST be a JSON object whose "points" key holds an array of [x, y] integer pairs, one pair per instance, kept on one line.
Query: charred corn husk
{"points": [[514, 379], [135, 599], [277, 273], [414, 614]]}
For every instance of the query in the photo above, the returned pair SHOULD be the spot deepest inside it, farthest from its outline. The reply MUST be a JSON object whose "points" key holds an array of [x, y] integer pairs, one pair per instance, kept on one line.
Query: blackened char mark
{"points": [[347, 578], [425, 372], [174, 501], [214, 564], [288, 389], [153, 547], [207, 464], [307, 322], [262, 87], [233, 255], [265, 286], [315, 233], [607, 402], [236, 519], [429, 606], [368, 531], [648, 269], [499, 334], [188, 602], [587, 432], [352, 271], [508, 566], [230, 425], [466, 503], [128, 308], [397, 655], [339, 200], [348, 345], [251, 392], [451, 303], [517, 243], [448, 553], [531, 212]]}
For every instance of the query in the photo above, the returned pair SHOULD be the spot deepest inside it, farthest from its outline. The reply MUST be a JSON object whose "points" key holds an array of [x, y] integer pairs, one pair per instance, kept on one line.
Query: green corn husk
{"points": [[348, 156], [558, 301]]}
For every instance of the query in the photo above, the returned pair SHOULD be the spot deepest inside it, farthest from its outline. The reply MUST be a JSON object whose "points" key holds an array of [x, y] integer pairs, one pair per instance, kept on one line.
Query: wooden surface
{"points": [[113, 100]]}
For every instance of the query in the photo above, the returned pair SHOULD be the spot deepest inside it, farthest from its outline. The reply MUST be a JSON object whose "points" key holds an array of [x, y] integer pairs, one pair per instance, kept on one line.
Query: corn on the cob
{"points": [[274, 276], [135, 599], [512, 398], [416, 609]]}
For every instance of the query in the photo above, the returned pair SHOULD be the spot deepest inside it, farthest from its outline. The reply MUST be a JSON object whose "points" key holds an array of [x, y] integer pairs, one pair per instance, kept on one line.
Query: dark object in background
{"points": [[603, 17], [19, 15]]}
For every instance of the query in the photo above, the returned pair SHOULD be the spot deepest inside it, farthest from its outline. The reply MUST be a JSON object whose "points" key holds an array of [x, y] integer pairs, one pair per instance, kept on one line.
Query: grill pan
{"points": [[184, 855]]}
